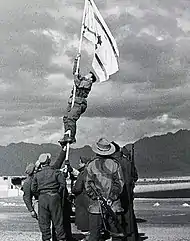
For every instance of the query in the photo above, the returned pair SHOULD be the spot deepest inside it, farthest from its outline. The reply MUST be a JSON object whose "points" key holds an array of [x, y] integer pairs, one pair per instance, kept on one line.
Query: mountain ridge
{"points": [[155, 156]]}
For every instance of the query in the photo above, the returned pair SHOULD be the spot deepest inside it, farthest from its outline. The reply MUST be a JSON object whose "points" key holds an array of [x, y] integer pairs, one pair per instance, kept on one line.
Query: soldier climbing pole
{"points": [[74, 86]]}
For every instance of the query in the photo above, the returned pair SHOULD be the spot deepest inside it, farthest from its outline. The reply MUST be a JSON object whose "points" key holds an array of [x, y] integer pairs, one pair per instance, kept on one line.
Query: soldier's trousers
{"points": [[49, 208], [131, 225], [72, 115], [66, 212], [96, 225]]}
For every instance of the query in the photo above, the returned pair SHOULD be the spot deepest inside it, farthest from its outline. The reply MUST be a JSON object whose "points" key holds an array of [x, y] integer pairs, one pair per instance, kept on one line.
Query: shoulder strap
{"points": [[114, 159], [91, 160]]}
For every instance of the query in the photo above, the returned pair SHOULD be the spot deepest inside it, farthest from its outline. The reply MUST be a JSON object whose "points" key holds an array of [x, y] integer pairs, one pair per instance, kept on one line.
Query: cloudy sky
{"points": [[149, 95]]}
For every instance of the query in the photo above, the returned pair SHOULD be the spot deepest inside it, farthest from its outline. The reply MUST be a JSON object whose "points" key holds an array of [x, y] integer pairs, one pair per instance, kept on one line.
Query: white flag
{"points": [[105, 61]]}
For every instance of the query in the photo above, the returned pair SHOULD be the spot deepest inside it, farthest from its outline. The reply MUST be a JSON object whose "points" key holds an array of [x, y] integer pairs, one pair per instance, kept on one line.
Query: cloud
{"points": [[165, 119], [47, 129], [150, 93]]}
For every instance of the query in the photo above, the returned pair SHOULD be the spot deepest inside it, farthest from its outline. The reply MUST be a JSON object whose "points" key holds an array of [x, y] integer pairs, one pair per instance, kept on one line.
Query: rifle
{"points": [[133, 153], [134, 173], [108, 211], [132, 161], [133, 224]]}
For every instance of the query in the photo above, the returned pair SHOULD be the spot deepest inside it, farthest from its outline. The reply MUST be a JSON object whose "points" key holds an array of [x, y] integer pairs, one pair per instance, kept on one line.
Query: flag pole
{"points": [[76, 72], [79, 52]]}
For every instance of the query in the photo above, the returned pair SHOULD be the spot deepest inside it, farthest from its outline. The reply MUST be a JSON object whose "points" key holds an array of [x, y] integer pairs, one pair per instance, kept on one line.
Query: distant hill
{"points": [[165, 155], [157, 156], [15, 157]]}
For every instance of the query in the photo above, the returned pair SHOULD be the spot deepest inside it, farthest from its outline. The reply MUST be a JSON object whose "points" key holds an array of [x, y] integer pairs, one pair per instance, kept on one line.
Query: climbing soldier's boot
{"points": [[67, 139]]}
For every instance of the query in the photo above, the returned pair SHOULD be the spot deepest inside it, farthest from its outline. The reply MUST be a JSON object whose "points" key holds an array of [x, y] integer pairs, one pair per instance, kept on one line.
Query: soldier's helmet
{"points": [[43, 158]]}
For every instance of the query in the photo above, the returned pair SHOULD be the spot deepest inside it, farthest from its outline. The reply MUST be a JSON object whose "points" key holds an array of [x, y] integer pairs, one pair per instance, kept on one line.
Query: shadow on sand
{"points": [[142, 235], [140, 220]]}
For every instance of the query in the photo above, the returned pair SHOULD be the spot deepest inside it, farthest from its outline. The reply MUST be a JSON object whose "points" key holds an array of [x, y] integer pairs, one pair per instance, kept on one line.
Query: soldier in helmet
{"points": [[49, 183], [83, 88]]}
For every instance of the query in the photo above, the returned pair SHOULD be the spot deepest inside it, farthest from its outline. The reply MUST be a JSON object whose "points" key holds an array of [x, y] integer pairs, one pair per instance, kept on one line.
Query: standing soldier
{"points": [[82, 199], [30, 170], [104, 175], [132, 228], [83, 87], [50, 184], [26, 188], [123, 156], [33, 206]]}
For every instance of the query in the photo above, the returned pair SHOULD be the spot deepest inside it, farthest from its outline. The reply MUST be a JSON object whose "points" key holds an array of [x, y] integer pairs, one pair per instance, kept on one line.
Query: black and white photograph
{"points": [[95, 120]]}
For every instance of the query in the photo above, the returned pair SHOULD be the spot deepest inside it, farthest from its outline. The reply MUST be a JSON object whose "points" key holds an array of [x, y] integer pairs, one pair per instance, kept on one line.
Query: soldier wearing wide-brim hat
{"points": [[103, 147], [104, 174]]}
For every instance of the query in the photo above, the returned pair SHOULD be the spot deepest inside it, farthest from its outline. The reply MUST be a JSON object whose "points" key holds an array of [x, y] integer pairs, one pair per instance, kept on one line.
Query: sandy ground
{"points": [[19, 236], [168, 220], [154, 234], [167, 233]]}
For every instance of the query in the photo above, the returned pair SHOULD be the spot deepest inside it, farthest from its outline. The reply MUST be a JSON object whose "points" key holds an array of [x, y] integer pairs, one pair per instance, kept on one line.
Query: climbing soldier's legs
{"points": [[70, 120]]}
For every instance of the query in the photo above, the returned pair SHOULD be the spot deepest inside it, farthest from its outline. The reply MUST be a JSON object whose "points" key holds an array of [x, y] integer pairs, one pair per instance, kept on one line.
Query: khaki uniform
{"points": [[28, 195], [106, 174], [127, 196], [83, 88], [50, 184]]}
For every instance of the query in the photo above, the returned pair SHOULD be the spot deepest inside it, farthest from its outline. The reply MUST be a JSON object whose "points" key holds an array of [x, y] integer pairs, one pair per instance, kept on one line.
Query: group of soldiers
{"points": [[103, 188]]}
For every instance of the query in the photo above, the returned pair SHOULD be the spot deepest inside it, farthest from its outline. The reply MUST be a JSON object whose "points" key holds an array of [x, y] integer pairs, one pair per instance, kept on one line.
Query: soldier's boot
{"points": [[67, 139], [73, 140]]}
